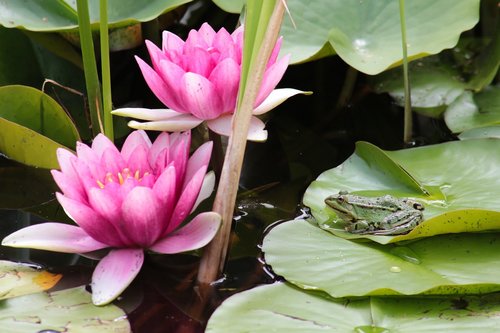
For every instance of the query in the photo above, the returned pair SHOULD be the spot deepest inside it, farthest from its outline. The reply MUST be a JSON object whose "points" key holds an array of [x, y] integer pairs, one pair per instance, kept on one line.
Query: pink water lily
{"points": [[129, 201], [199, 79]]}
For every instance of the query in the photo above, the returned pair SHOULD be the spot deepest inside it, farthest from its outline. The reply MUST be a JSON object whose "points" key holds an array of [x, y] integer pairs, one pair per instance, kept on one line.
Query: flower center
{"points": [[121, 177]]}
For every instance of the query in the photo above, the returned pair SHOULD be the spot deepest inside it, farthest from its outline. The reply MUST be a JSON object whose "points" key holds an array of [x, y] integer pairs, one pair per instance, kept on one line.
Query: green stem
{"points": [[105, 71], [89, 66], [408, 121]]}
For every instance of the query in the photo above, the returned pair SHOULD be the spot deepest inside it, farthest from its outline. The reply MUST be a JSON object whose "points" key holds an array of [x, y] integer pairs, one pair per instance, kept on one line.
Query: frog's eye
{"points": [[418, 206]]}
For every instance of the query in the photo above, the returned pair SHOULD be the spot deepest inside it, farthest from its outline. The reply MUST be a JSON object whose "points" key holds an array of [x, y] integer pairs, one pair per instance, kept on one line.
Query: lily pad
{"points": [[19, 279], [27, 146], [471, 110], [367, 34], [68, 310], [39, 112], [461, 178], [57, 15], [444, 264], [283, 308]]}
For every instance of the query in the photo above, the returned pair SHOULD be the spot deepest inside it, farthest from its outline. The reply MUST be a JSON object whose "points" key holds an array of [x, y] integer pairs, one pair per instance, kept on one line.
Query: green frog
{"points": [[385, 215]]}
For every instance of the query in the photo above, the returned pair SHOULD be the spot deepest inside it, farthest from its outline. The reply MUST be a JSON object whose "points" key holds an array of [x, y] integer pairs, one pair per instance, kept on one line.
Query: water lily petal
{"points": [[275, 53], [114, 273], [207, 33], [64, 157], [91, 222], [199, 160], [271, 78], [101, 143], [157, 85], [155, 54], [112, 161], [69, 186], [226, 79], [275, 98], [206, 189], [223, 42], [147, 114], [222, 126], [186, 200], [53, 237], [161, 143], [136, 138], [138, 161], [88, 157], [199, 62], [143, 215], [177, 124], [194, 235], [172, 42], [165, 190], [199, 96]]}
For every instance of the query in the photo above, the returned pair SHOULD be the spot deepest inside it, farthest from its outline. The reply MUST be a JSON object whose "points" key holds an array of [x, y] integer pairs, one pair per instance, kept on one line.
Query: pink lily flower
{"points": [[199, 79], [129, 200]]}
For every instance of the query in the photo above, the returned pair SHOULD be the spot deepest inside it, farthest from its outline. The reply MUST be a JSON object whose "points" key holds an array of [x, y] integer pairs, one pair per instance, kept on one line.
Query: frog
{"points": [[384, 215]]}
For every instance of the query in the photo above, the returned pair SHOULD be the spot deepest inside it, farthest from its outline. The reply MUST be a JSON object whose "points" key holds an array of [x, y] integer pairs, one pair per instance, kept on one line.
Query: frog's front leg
{"points": [[399, 223], [360, 227]]}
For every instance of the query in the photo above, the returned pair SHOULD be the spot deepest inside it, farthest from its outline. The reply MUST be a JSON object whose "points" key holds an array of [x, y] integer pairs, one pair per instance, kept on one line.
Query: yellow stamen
{"points": [[120, 178], [101, 185], [136, 175], [109, 177]]}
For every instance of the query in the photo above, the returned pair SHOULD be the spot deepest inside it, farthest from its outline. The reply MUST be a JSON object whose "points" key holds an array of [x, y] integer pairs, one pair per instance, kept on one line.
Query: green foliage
{"points": [[457, 193], [59, 15], [445, 264], [69, 310], [283, 308]]}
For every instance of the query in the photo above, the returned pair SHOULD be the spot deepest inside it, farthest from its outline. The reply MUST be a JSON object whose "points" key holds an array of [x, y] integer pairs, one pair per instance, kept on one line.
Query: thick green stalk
{"points": [[89, 66], [107, 103], [408, 120], [214, 256]]}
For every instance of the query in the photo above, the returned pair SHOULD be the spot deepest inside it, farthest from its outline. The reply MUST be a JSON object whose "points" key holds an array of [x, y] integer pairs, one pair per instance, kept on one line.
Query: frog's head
{"points": [[340, 204]]}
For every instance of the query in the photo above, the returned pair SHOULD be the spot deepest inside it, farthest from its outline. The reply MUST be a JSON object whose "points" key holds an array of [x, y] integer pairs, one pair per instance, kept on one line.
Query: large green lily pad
{"points": [[281, 308], [56, 15], [460, 182], [367, 34], [19, 279], [68, 310], [445, 264]]}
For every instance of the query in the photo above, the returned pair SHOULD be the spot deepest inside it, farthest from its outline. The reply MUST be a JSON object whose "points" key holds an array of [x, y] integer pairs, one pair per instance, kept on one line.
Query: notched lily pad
{"points": [[283, 308], [444, 264], [19, 279], [69, 310], [460, 177]]}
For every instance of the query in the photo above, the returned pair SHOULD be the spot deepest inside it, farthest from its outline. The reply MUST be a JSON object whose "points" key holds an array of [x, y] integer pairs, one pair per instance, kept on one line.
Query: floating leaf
{"points": [[461, 177], [444, 264], [26, 146], [58, 15], [481, 133], [471, 110], [39, 112], [69, 310], [367, 34], [282, 308], [19, 279]]}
